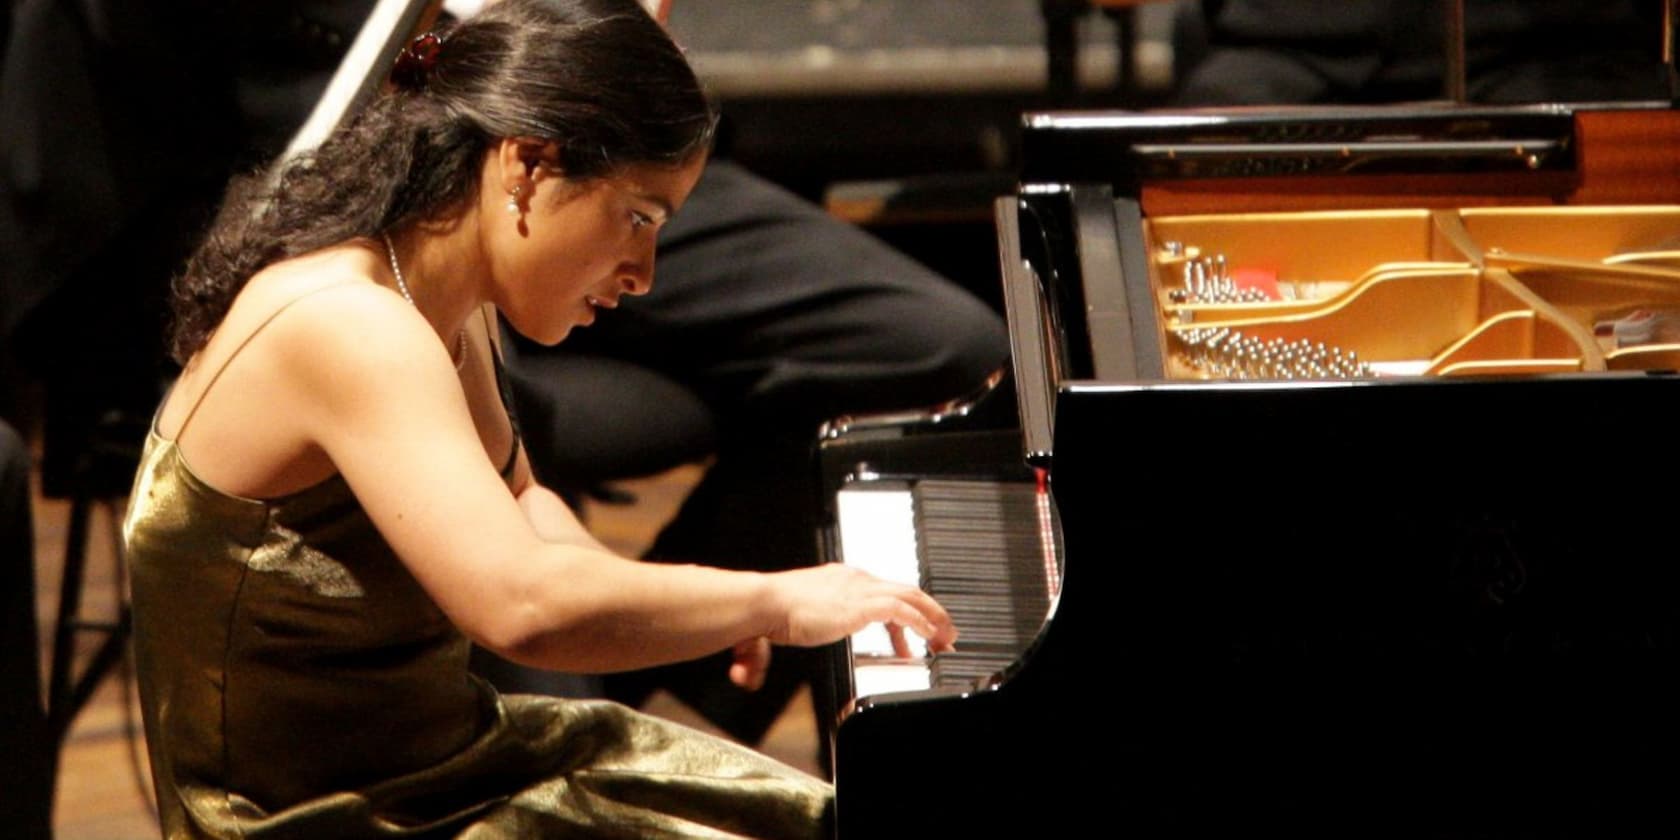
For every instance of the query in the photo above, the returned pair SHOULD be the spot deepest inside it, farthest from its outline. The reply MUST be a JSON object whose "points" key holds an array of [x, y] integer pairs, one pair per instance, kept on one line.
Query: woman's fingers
{"points": [[830, 602], [930, 621], [900, 645], [908, 607], [752, 661], [940, 633]]}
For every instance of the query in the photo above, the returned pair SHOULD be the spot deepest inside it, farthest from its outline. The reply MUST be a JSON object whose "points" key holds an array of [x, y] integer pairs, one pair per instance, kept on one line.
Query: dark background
{"points": [[919, 99]]}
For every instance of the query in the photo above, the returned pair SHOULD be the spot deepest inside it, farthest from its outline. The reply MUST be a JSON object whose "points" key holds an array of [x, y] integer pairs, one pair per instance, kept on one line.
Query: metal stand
{"points": [[112, 451]]}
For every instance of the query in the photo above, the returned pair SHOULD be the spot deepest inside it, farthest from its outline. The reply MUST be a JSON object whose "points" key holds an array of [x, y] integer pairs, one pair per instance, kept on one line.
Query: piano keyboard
{"points": [[985, 549]]}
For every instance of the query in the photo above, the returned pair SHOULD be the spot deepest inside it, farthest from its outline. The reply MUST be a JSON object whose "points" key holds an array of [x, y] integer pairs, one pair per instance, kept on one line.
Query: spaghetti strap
{"points": [[180, 430]]}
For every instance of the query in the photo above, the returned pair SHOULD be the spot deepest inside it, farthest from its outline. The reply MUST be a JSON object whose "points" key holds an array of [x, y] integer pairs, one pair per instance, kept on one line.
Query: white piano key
{"points": [[877, 526], [888, 677]]}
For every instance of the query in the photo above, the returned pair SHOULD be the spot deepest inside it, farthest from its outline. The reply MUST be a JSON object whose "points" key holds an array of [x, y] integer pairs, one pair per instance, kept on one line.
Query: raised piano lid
{"points": [[1436, 607], [1342, 157], [1126, 148]]}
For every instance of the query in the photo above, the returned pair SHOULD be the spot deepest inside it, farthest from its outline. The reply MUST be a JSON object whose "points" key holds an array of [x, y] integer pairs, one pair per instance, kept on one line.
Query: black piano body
{"points": [[1411, 605]]}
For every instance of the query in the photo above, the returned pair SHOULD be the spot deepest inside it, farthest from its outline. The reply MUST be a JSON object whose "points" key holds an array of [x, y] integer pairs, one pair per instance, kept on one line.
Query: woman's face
{"points": [[577, 247]]}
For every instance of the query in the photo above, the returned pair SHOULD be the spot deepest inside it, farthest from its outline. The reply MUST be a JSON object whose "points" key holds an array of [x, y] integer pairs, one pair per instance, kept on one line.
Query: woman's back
{"points": [[285, 650]]}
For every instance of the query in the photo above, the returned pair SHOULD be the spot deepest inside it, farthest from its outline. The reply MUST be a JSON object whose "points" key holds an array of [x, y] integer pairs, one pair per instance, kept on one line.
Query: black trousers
{"points": [[1263, 52], [25, 749], [767, 317]]}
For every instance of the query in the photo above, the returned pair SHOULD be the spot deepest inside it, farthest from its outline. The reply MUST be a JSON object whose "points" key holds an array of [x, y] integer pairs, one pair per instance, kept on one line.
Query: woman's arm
{"points": [[381, 398], [549, 515], [554, 521]]}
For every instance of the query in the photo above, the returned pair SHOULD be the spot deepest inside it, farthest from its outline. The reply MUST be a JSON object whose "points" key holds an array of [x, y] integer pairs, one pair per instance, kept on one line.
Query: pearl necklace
{"points": [[402, 287]]}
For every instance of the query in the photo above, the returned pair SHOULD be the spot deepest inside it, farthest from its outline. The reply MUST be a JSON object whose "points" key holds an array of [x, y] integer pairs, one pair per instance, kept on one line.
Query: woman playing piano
{"points": [[334, 499]]}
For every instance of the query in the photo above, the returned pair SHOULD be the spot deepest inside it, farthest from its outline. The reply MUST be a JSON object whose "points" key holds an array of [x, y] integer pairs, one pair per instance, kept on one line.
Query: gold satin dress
{"points": [[297, 682]]}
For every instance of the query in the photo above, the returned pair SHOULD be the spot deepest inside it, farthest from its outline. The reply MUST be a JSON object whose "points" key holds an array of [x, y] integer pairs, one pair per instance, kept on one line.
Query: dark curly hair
{"points": [[599, 78]]}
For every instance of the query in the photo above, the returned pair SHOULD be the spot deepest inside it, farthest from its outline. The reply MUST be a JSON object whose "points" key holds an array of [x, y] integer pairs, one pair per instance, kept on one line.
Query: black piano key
{"points": [[980, 546]]}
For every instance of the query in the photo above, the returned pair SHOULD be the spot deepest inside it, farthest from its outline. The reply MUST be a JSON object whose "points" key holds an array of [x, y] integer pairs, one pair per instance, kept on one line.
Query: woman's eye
{"points": [[639, 220]]}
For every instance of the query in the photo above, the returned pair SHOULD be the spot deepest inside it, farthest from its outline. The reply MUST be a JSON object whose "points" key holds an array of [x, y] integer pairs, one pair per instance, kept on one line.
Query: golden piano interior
{"points": [[1414, 291], [1570, 265]]}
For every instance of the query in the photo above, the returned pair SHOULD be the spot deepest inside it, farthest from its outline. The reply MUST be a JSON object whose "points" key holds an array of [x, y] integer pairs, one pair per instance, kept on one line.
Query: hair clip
{"points": [[414, 64]]}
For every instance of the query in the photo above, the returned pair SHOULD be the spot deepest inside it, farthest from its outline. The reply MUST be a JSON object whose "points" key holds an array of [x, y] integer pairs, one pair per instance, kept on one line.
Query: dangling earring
{"points": [[513, 201]]}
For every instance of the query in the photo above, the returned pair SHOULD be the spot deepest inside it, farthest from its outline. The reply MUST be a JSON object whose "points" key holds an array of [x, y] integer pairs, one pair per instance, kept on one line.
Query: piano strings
{"points": [[1475, 291]]}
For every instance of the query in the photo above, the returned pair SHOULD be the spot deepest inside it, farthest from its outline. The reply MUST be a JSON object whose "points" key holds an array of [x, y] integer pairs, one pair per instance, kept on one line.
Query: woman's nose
{"points": [[637, 278]]}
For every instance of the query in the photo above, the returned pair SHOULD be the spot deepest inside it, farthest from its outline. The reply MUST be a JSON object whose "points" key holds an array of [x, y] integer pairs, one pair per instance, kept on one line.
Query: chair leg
{"points": [[67, 691], [101, 475], [60, 679]]}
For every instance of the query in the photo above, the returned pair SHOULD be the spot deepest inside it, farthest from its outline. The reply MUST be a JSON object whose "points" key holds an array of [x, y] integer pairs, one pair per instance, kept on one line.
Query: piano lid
{"points": [[1126, 147], [1430, 153]]}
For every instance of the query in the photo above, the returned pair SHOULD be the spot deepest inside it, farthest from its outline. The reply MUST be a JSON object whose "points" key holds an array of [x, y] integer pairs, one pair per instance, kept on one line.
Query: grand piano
{"points": [[1327, 491]]}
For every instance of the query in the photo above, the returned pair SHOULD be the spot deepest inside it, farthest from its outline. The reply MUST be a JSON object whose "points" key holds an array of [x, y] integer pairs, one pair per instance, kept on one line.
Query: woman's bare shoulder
{"points": [[282, 284], [322, 304], [328, 296]]}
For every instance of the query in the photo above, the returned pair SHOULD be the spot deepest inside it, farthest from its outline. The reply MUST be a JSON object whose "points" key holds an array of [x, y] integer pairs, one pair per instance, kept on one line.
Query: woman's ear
{"points": [[512, 176], [523, 158]]}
